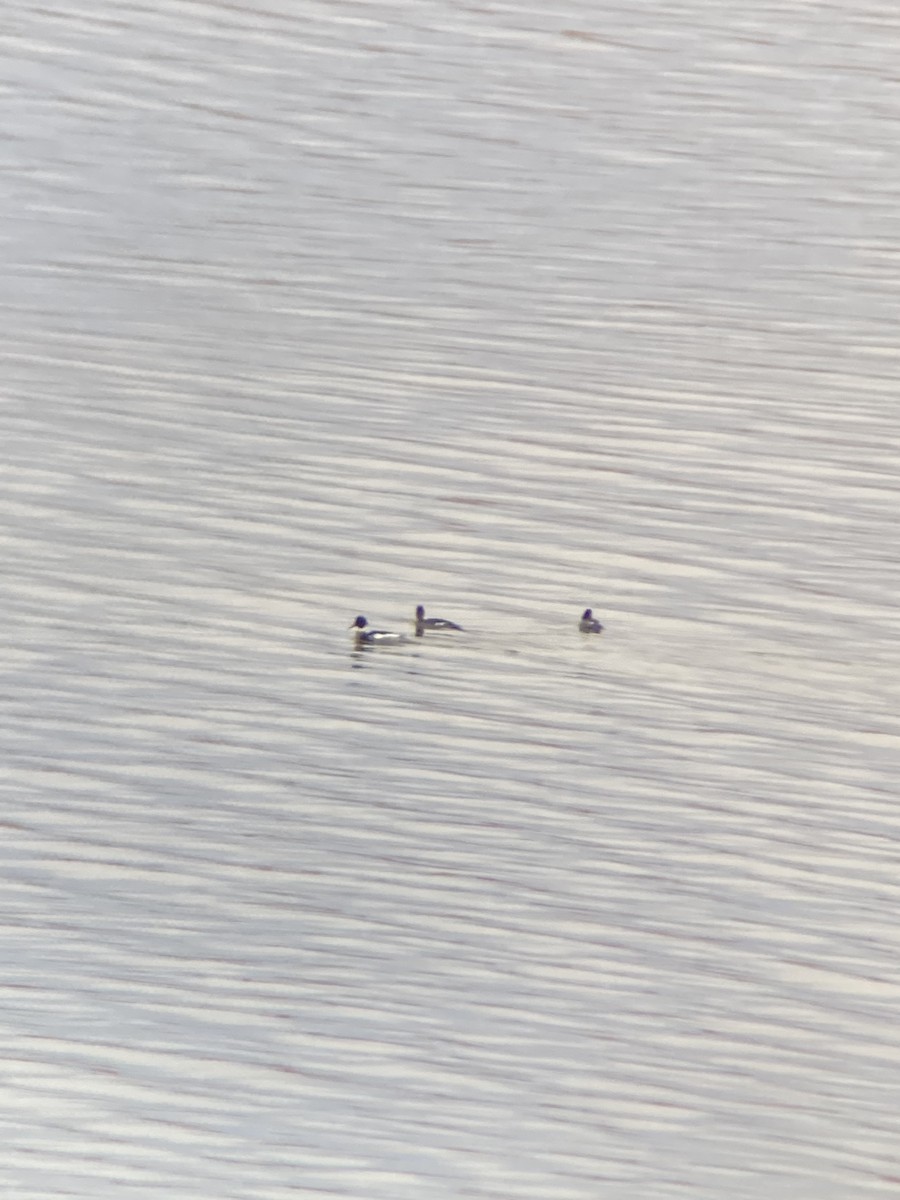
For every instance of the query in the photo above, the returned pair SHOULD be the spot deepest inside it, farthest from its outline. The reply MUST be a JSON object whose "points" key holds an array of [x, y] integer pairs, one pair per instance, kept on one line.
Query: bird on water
{"points": [[373, 637], [588, 623], [435, 623]]}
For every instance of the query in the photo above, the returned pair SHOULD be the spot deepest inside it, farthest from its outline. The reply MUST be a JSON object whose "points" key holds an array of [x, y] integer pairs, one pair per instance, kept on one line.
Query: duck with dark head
{"points": [[437, 624], [589, 623]]}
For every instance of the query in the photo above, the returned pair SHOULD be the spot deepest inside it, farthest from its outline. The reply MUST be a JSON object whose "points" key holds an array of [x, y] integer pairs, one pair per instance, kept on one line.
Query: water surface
{"points": [[317, 310]]}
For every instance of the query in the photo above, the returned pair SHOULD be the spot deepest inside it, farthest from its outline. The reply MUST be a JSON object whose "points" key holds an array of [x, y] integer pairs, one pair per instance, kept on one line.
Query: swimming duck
{"points": [[588, 624], [371, 637], [438, 623]]}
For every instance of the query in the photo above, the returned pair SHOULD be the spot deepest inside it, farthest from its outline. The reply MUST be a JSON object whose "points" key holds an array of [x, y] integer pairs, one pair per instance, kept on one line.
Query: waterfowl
{"points": [[588, 623], [370, 637], [438, 623]]}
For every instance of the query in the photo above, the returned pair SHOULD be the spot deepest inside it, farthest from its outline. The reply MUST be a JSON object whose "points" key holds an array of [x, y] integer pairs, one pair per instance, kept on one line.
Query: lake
{"points": [[322, 310]]}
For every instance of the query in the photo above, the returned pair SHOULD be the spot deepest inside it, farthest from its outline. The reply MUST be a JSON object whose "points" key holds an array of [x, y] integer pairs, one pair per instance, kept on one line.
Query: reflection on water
{"points": [[314, 312]]}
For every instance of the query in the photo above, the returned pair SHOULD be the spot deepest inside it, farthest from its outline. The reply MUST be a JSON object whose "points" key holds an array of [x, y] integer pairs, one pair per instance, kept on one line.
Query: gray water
{"points": [[314, 310]]}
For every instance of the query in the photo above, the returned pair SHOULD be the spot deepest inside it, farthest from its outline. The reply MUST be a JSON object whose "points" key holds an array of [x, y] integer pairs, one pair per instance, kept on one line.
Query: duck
{"points": [[588, 623], [371, 637], [437, 623]]}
